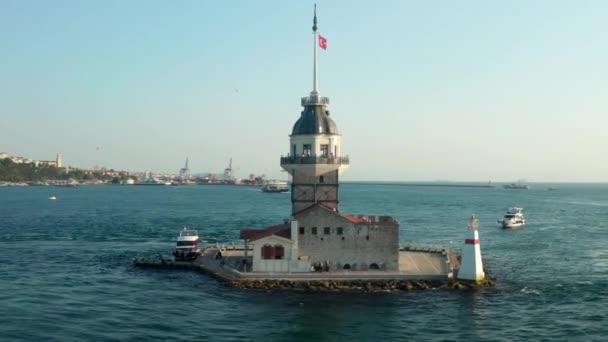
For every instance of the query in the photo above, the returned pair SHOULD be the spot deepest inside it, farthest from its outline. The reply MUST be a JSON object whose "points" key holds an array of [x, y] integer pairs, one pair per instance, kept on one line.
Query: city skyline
{"points": [[471, 91]]}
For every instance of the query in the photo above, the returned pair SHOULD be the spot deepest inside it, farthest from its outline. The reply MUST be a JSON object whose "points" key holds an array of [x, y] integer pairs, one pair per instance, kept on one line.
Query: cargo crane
{"points": [[228, 173], [184, 173]]}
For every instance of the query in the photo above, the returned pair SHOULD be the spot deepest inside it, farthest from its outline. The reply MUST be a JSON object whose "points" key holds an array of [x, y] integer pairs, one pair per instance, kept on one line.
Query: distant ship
{"points": [[275, 186], [152, 181], [519, 185]]}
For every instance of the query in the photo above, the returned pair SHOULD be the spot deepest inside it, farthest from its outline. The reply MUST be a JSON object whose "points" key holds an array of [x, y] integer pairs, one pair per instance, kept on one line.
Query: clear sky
{"points": [[420, 90]]}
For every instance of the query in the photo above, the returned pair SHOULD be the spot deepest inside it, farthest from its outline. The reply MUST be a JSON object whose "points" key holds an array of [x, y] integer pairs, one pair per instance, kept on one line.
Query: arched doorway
{"points": [[346, 266], [267, 252], [374, 266]]}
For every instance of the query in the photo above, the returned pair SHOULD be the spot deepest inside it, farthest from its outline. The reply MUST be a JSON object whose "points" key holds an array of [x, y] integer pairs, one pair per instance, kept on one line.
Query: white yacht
{"points": [[513, 218], [187, 248], [275, 186]]}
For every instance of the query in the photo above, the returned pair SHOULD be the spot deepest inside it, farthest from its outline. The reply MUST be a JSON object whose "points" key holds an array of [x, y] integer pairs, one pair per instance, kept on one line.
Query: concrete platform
{"points": [[420, 268], [413, 265]]}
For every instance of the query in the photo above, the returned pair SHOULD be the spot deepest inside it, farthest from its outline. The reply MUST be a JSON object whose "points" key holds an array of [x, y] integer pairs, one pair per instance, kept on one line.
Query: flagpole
{"points": [[315, 85]]}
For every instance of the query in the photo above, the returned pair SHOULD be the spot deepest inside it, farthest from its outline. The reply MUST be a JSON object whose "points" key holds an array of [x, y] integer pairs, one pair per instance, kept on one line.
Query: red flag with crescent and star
{"points": [[322, 42]]}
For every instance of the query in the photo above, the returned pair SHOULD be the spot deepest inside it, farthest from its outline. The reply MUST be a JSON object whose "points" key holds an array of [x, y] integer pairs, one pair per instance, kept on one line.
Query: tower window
{"points": [[294, 150], [326, 230], [314, 230], [325, 150], [321, 179], [301, 230], [307, 151], [339, 231]]}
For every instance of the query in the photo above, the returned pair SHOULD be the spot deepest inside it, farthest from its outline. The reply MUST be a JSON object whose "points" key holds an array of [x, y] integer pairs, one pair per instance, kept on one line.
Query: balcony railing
{"points": [[315, 100], [314, 160]]}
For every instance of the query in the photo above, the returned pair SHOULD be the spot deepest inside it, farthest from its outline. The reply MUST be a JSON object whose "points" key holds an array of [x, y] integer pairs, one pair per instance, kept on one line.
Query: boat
{"points": [[52, 198], [187, 248], [520, 184], [275, 186], [152, 181], [513, 218]]}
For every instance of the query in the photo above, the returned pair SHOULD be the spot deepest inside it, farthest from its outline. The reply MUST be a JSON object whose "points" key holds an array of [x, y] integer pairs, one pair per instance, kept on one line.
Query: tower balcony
{"points": [[313, 100], [307, 160]]}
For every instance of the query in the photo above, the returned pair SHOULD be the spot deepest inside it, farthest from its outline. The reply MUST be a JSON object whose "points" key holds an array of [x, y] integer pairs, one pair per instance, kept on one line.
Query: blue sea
{"points": [[66, 270]]}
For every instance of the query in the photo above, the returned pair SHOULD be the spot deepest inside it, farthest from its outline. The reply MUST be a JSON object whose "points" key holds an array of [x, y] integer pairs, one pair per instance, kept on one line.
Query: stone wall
{"points": [[359, 246]]}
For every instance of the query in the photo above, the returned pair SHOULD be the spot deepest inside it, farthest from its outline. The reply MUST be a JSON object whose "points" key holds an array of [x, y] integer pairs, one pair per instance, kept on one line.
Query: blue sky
{"points": [[463, 91]]}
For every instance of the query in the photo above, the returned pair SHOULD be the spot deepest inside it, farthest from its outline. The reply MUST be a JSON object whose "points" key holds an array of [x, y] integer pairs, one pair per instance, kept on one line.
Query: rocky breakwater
{"points": [[318, 285], [357, 285]]}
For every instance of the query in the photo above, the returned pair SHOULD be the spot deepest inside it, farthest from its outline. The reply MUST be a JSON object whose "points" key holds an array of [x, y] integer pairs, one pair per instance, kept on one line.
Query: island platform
{"points": [[420, 267]]}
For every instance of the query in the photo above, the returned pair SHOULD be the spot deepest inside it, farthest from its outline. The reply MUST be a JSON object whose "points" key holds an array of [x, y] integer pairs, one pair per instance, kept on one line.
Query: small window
{"points": [[321, 179], [294, 150], [307, 151], [326, 231], [339, 231], [367, 238], [267, 252], [301, 230], [313, 231], [324, 150]]}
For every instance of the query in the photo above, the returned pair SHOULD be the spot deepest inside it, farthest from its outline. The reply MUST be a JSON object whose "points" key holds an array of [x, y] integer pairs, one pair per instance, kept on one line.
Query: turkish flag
{"points": [[322, 42]]}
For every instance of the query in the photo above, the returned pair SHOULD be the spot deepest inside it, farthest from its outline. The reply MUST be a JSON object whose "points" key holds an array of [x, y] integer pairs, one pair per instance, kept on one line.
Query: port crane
{"points": [[184, 172], [228, 172]]}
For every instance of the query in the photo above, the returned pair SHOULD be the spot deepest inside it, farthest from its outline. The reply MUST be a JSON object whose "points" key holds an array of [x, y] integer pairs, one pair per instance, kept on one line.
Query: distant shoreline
{"points": [[421, 184]]}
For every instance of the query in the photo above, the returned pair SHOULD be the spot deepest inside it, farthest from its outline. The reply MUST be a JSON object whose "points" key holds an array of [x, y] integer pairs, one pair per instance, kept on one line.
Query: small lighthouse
{"points": [[471, 266]]}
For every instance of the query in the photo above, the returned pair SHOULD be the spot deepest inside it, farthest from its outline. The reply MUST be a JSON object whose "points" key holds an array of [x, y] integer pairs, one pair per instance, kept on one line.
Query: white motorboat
{"points": [[275, 186], [52, 198], [187, 248], [513, 218]]}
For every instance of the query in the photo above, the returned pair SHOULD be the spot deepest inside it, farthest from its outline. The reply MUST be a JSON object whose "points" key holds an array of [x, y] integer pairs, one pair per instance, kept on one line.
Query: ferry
{"points": [[275, 186], [187, 248], [513, 218], [152, 181], [520, 185]]}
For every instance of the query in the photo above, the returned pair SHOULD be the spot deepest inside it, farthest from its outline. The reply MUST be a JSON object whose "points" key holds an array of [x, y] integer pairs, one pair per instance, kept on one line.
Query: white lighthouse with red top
{"points": [[471, 266]]}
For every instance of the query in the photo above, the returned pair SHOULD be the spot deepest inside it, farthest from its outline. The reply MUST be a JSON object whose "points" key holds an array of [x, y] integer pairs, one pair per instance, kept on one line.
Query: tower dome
{"points": [[314, 120]]}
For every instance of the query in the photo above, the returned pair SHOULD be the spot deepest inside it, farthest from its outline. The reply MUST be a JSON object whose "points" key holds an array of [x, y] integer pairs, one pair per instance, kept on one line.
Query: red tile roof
{"points": [[353, 218], [282, 230]]}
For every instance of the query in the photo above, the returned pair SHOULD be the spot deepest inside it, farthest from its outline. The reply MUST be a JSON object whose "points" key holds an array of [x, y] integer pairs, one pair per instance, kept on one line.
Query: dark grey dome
{"points": [[315, 120]]}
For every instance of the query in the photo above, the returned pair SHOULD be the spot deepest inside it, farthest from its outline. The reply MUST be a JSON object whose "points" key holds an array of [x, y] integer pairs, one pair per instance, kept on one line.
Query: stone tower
{"points": [[314, 160]]}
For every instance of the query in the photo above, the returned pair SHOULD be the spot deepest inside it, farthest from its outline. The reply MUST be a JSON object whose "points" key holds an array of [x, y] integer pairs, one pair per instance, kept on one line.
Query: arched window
{"points": [[347, 266], [267, 252], [374, 266], [279, 252]]}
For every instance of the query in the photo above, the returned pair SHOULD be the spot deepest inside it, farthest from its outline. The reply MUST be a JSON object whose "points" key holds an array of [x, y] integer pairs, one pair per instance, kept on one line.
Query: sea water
{"points": [[67, 274]]}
